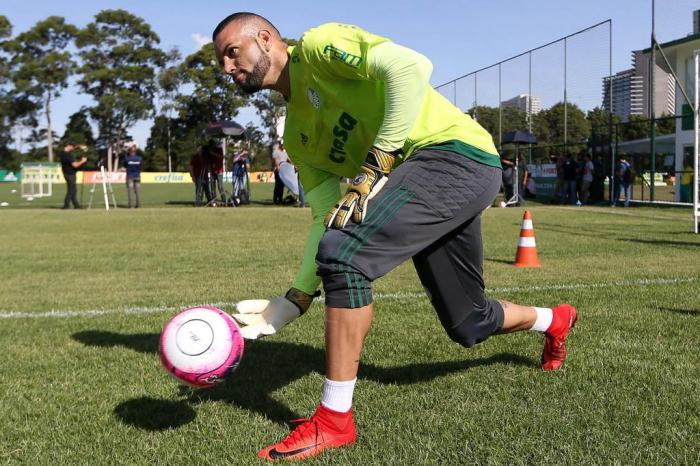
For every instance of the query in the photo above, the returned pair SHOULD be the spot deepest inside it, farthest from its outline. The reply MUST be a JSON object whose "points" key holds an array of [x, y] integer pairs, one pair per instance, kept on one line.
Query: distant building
{"points": [[681, 60], [627, 94], [523, 101], [630, 89]]}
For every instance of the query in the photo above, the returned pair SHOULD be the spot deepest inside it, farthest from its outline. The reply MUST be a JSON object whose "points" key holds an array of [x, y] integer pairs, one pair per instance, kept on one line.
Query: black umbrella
{"points": [[225, 128], [519, 137]]}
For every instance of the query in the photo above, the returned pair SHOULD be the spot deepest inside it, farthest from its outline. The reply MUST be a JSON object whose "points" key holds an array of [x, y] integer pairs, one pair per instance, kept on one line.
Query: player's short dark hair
{"points": [[242, 16]]}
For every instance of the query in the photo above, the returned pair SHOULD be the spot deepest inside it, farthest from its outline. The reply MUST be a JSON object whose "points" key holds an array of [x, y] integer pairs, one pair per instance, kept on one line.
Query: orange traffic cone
{"points": [[526, 256]]}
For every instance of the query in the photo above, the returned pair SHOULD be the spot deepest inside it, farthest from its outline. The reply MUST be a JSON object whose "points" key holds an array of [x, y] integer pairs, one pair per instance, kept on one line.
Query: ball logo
{"points": [[314, 98]]}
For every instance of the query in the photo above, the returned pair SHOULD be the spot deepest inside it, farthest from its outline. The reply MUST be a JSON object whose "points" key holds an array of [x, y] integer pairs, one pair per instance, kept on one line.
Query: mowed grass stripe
{"points": [[378, 297]]}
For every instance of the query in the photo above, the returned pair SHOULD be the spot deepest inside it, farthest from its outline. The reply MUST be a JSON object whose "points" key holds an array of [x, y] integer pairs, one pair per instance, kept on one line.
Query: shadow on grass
{"points": [[153, 414], [683, 312], [185, 203], [267, 366], [142, 342], [500, 261], [617, 235]]}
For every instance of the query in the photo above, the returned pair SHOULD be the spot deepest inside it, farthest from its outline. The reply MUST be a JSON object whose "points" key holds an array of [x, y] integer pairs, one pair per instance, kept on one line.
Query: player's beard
{"points": [[254, 80]]}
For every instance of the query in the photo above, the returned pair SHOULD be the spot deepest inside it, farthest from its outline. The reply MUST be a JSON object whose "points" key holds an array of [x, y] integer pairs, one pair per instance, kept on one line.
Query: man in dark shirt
{"points": [[69, 166], [570, 173], [132, 162]]}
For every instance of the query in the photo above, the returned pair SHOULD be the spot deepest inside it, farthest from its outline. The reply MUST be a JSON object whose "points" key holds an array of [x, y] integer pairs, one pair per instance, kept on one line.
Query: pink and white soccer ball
{"points": [[201, 346]]}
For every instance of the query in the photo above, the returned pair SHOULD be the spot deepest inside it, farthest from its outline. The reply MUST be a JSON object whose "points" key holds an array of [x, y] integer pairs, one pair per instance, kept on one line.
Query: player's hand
{"points": [[262, 317], [366, 185]]}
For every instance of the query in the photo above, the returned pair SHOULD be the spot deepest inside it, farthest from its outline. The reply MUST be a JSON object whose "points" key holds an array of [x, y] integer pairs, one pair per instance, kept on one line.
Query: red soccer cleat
{"points": [[325, 429], [563, 320]]}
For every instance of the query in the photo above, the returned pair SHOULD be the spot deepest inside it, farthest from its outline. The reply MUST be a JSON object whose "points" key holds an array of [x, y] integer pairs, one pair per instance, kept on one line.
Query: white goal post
{"points": [[37, 178]]}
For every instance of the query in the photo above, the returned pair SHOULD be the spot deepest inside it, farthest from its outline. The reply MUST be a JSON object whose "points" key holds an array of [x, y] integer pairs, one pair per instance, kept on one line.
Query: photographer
{"points": [[69, 167]]}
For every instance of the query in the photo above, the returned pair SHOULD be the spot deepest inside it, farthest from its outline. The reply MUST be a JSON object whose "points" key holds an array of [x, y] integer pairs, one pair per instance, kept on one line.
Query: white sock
{"points": [[544, 319], [338, 395]]}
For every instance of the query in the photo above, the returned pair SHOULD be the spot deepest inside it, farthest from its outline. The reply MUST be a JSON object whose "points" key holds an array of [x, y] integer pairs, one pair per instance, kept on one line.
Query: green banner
{"points": [[7, 176]]}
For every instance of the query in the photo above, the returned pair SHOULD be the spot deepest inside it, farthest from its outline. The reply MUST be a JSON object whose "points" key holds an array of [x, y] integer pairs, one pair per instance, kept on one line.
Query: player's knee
{"points": [[483, 321], [343, 284]]}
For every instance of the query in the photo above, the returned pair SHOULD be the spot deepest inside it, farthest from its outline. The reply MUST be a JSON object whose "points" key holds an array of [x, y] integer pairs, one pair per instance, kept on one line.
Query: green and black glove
{"points": [[366, 185]]}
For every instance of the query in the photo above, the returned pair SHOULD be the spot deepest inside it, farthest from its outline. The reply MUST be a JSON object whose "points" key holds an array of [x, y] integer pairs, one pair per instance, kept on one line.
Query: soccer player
{"points": [[360, 106]]}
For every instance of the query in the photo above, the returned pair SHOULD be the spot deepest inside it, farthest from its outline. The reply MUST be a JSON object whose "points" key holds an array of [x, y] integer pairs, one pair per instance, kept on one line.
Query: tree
{"points": [[7, 158], [169, 81], [120, 58], [577, 128], [665, 125], [78, 129], [41, 67], [637, 127], [214, 96]]}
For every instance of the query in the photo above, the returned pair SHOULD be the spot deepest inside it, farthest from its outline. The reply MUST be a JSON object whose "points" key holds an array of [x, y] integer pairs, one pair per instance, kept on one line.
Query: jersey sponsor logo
{"points": [[341, 131], [314, 98], [341, 55]]}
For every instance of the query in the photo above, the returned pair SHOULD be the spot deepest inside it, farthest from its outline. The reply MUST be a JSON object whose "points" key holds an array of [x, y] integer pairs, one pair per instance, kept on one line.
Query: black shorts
{"points": [[430, 211]]}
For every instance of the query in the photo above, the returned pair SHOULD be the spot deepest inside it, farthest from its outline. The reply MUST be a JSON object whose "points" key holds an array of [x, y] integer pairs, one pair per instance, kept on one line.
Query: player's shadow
{"points": [[683, 312], [267, 366]]}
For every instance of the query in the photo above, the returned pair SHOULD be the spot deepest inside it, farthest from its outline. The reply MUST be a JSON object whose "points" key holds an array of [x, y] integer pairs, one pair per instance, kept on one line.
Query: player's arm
{"points": [[405, 74], [261, 317]]}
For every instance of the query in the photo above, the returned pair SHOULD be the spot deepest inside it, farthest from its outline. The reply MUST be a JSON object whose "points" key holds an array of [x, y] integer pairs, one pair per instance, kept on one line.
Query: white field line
{"points": [[617, 212], [378, 297]]}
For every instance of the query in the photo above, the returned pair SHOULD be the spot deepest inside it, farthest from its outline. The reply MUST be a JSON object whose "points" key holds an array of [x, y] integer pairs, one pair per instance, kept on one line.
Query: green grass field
{"points": [[84, 296]]}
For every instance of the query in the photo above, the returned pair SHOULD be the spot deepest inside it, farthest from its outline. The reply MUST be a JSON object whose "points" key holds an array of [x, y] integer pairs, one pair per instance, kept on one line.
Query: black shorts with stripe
{"points": [[430, 211]]}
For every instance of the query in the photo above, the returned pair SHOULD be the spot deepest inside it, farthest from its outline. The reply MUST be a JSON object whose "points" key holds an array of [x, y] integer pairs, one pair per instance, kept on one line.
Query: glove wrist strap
{"points": [[380, 161], [300, 299]]}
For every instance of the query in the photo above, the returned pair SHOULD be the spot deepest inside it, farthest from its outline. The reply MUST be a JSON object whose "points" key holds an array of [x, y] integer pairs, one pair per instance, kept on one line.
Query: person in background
{"points": [[624, 178], [132, 163], [69, 167], [586, 178], [214, 158], [523, 177], [279, 156], [687, 182], [239, 172], [507, 178], [200, 177], [570, 169]]}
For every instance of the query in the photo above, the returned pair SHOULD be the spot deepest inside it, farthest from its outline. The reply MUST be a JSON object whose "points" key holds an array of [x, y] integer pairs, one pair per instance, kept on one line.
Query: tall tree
{"points": [[575, 126], [41, 66], [78, 129], [169, 81], [214, 96], [6, 155], [120, 61]]}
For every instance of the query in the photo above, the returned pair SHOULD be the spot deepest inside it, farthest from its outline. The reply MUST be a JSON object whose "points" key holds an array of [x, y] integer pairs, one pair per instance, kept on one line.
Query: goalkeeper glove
{"points": [[262, 317], [372, 177]]}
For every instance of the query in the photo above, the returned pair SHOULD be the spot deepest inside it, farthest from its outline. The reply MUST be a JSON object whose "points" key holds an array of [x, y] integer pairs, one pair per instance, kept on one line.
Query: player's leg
{"points": [[129, 187], [137, 191], [429, 195], [451, 272]]}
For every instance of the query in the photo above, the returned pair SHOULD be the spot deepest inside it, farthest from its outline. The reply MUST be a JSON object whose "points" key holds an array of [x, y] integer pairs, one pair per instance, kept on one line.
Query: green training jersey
{"points": [[336, 108], [350, 91]]}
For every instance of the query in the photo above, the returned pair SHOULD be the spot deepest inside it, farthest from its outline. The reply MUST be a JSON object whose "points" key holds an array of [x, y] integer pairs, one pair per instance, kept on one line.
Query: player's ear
{"points": [[265, 39]]}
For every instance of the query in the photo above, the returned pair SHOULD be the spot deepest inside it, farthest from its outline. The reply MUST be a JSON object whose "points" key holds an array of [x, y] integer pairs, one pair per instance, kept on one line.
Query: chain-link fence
{"points": [[568, 96], [556, 92]]}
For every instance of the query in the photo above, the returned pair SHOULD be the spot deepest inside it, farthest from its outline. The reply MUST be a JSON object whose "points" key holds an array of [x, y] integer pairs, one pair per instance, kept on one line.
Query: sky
{"points": [[457, 36]]}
